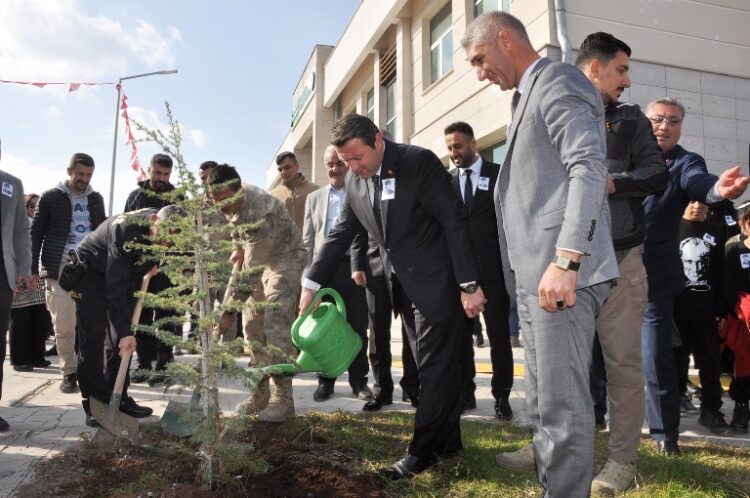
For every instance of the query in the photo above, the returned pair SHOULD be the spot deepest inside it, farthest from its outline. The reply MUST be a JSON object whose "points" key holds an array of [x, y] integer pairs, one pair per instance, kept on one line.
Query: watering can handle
{"points": [[340, 306]]}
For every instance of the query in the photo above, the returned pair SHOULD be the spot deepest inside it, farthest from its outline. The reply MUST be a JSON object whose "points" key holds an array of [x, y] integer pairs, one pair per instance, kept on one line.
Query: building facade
{"points": [[400, 62]]}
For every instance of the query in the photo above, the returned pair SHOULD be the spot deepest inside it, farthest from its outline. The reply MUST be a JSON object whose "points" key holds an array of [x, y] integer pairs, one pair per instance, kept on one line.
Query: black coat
{"points": [[426, 234], [483, 223], [51, 226], [139, 199]]}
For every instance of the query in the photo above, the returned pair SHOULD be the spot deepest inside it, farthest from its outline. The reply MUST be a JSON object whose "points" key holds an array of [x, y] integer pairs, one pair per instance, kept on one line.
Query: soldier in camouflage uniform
{"points": [[276, 244]]}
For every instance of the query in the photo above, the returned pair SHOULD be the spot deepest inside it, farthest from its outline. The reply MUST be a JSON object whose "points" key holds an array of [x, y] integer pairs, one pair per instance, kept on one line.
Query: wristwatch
{"points": [[565, 263], [469, 288]]}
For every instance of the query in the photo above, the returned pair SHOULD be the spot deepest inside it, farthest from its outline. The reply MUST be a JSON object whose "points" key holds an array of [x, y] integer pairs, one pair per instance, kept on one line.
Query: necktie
{"points": [[514, 102], [377, 194], [468, 190]]}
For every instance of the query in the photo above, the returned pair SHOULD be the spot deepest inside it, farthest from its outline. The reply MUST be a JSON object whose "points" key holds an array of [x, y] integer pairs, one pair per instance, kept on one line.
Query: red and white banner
{"points": [[72, 87]]}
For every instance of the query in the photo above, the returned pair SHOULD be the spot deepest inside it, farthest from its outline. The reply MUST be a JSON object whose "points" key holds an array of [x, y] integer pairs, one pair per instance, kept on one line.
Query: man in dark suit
{"points": [[402, 196], [474, 179], [368, 272], [322, 209]]}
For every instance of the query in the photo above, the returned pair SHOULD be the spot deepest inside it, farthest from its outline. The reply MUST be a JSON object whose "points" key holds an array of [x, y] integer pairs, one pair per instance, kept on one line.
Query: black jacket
{"points": [[51, 226], [426, 234], [138, 199], [483, 222], [634, 160], [106, 252]]}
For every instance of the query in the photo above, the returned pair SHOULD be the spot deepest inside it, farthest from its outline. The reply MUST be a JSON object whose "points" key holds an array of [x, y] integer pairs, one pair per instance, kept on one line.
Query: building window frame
{"points": [[440, 44], [370, 104], [483, 6], [391, 116]]}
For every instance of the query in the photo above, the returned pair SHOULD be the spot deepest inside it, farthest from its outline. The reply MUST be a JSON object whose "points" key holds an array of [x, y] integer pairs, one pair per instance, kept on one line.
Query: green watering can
{"points": [[326, 341]]}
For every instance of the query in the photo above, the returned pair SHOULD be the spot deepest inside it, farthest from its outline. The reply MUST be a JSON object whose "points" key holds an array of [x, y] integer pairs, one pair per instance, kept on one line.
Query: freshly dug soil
{"points": [[293, 464]]}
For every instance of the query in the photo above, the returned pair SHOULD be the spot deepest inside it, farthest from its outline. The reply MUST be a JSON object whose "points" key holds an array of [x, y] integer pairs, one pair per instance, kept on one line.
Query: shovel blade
{"points": [[116, 422], [181, 419]]}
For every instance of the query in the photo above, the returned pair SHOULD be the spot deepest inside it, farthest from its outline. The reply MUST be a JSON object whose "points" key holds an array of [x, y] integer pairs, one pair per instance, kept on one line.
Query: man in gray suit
{"points": [[322, 209], [15, 265], [554, 228]]}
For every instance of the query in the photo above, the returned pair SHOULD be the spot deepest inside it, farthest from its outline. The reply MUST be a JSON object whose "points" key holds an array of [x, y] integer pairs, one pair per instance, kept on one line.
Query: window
{"points": [[337, 109], [484, 6], [390, 114], [371, 104], [495, 153], [441, 44]]}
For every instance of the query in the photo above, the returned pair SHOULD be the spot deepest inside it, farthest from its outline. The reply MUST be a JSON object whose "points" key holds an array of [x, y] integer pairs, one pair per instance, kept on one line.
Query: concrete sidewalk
{"points": [[44, 421]]}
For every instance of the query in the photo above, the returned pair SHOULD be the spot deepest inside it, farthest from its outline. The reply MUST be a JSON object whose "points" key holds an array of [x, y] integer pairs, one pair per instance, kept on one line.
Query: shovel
{"points": [[109, 415], [182, 419]]}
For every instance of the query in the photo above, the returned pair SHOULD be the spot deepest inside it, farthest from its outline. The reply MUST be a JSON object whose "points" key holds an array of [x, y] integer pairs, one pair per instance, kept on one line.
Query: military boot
{"points": [[256, 401], [281, 405], [740, 418]]}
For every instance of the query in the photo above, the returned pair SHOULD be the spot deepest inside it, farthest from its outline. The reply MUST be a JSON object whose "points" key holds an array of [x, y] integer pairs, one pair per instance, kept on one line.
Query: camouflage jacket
{"points": [[276, 243]]}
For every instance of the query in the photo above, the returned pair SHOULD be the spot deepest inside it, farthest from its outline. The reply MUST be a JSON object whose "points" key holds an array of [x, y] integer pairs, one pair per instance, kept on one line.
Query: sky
{"points": [[238, 63]]}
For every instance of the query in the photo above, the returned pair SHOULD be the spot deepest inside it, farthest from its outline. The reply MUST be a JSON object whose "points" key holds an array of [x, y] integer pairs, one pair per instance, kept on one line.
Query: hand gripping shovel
{"points": [[109, 415], [182, 419]]}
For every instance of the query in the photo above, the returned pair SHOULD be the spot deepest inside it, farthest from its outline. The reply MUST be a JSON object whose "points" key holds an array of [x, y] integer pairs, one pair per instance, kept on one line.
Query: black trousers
{"points": [[380, 311], [598, 381], [356, 314], [496, 314], [98, 344], [435, 347], [150, 348], [29, 328], [6, 301], [700, 336]]}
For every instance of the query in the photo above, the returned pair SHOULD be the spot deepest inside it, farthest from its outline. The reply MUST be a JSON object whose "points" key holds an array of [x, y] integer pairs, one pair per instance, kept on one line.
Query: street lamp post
{"points": [[117, 122]]}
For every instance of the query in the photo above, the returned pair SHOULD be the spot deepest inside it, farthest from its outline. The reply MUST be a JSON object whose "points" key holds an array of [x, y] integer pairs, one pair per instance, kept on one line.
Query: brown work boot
{"points": [[281, 405], [256, 401]]}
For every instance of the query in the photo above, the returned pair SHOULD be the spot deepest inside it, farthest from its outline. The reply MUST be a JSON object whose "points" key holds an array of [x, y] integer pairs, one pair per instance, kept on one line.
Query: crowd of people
{"points": [[612, 248]]}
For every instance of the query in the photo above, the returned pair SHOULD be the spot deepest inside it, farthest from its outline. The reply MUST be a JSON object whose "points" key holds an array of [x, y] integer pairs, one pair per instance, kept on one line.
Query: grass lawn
{"points": [[703, 470]]}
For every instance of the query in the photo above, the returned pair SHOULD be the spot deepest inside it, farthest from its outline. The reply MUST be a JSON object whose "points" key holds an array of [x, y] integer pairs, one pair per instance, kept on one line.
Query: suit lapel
{"points": [[524, 100], [388, 169]]}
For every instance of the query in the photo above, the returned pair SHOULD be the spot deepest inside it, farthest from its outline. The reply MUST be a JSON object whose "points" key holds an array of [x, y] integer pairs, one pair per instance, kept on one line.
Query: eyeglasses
{"points": [[662, 119]]}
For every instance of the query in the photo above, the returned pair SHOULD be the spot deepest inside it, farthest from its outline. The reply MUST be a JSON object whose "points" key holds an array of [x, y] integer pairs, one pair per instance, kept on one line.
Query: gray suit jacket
{"points": [[15, 228], [313, 229], [552, 187]]}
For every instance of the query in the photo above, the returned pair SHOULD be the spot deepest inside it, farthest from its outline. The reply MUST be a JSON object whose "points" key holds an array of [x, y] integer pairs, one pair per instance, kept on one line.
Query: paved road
{"points": [[44, 421]]}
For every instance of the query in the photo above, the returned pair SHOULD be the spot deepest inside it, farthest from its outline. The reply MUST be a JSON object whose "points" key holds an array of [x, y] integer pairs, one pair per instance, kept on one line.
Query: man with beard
{"points": [[474, 180], [150, 194], [65, 215], [635, 171], [322, 211]]}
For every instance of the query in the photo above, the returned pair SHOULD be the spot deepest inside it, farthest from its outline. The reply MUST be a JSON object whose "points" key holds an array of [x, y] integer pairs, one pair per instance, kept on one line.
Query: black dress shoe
{"points": [[91, 421], [51, 351], [503, 411], [379, 402], [129, 407], [4, 426], [668, 448], [323, 392], [406, 468], [410, 398], [42, 363], [23, 368], [469, 403]]}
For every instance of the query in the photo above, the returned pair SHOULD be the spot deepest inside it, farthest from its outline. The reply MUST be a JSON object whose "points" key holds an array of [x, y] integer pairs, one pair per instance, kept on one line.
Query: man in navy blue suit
{"points": [[689, 180]]}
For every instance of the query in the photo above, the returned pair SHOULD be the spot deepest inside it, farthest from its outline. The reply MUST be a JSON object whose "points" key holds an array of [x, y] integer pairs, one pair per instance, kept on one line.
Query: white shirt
{"points": [[476, 169], [335, 203], [526, 75]]}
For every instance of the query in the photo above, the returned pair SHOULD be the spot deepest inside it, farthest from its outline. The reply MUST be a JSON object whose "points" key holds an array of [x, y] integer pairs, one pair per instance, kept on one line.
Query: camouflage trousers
{"points": [[271, 328]]}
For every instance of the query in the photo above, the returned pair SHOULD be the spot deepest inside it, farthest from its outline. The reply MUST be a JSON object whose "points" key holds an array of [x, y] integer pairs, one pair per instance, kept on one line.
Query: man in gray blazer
{"points": [[554, 228], [322, 209], [15, 265]]}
